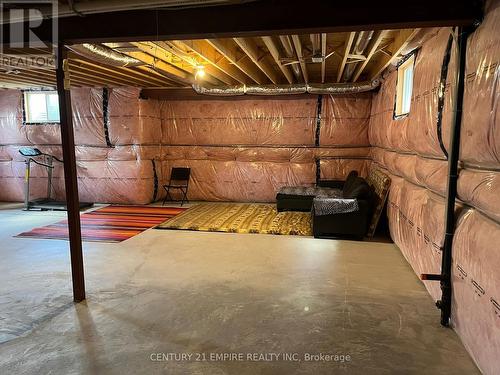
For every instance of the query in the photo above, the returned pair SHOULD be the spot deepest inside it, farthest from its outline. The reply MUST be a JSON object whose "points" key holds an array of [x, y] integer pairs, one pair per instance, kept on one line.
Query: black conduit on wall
{"points": [[442, 88], [105, 115], [319, 108], [446, 288], [318, 120], [155, 181]]}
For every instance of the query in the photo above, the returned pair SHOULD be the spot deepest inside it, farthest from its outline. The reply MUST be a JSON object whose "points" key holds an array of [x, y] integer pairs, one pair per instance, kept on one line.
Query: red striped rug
{"points": [[109, 224]]}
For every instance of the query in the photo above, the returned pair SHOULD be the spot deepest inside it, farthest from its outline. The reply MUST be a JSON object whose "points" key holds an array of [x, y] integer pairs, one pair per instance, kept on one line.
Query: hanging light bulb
{"points": [[200, 72]]}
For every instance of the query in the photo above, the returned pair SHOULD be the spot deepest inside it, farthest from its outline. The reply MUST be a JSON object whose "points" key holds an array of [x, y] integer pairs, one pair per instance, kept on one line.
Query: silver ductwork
{"points": [[105, 55], [359, 48], [364, 38], [342, 88], [290, 53], [311, 88]]}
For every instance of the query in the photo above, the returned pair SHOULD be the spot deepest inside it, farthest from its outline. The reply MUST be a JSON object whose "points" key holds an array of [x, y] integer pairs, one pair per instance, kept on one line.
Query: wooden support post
{"points": [[70, 175]]}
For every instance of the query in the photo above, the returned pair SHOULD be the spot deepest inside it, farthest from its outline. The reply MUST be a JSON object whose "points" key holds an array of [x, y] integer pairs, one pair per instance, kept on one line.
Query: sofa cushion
{"points": [[359, 189], [351, 178]]}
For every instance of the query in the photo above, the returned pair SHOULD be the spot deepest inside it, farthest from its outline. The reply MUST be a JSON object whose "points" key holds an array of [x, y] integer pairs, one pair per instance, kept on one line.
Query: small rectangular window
{"points": [[404, 87], [41, 107]]}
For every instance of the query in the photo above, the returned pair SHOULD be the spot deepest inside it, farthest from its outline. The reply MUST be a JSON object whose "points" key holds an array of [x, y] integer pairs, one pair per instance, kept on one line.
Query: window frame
{"points": [[24, 103], [407, 61]]}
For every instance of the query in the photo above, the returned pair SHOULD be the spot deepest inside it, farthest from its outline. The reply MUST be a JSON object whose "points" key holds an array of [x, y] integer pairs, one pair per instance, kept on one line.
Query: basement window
{"points": [[41, 107], [404, 87]]}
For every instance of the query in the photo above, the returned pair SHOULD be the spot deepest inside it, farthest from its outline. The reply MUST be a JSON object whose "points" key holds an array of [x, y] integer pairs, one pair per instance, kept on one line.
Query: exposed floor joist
{"points": [[347, 49], [298, 50], [274, 51], [400, 42], [287, 59], [207, 52], [323, 54], [252, 51], [228, 49], [372, 48]]}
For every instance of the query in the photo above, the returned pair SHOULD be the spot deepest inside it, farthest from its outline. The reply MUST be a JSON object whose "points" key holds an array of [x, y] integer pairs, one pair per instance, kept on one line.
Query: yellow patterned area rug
{"points": [[241, 218]]}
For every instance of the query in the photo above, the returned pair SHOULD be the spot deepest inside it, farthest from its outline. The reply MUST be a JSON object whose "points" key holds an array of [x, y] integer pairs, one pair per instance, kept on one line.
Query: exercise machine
{"points": [[31, 155]]}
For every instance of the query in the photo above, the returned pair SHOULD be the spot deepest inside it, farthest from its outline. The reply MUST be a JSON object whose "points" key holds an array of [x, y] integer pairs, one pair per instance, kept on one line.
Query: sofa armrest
{"points": [[349, 224]]}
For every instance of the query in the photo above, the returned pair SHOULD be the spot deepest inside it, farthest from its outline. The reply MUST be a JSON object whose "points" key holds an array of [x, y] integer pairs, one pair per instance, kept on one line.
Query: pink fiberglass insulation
{"points": [[476, 288], [105, 174], [416, 218], [256, 173], [480, 139], [246, 149], [133, 121], [267, 121], [409, 150], [239, 150], [344, 120], [416, 133]]}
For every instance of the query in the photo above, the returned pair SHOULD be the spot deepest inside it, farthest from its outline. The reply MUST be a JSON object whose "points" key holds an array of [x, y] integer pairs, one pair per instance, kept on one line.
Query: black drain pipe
{"points": [[446, 288]]}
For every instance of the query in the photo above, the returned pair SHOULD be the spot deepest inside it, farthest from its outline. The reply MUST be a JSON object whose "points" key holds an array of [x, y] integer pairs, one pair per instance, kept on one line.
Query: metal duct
{"points": [[363, 38], [362, 41], [276, 89], [342, 88], [312, 88], [220, 90], [290, 53], [105, 55]]}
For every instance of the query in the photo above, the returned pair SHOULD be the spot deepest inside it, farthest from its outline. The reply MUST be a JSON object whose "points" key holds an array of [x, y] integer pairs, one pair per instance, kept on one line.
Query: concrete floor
{"points": [[173, 292]]}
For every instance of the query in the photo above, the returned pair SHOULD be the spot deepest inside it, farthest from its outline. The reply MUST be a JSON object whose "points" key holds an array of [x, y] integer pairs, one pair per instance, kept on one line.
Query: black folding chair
{"points": [[179, 179]]}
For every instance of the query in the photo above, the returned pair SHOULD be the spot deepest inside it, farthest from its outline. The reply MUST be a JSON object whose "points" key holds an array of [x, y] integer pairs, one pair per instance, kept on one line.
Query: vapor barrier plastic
{"points": [[345, 119], [480, 139], [417, 132], [416, 222], [476, 288], [246, 122], [409, 150], [207, 135]]}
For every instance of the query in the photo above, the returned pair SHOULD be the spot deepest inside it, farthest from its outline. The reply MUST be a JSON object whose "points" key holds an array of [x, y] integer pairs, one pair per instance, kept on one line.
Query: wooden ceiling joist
{"points": [[275, 53], [371, 49], [205, 51], [251, 50], [400, 42], [82, 70], [298, 50], [161, 51], [228, 49], [323, 54], [27, 80], [183, 52], [130, 73], [345, 55], [146, 55], [290, 54]]}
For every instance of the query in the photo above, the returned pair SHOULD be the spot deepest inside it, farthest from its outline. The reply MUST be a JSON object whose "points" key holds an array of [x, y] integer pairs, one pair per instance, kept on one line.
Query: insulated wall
{"points": [[246, 149], [238, 150], [413, 150], [113, 165]]}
